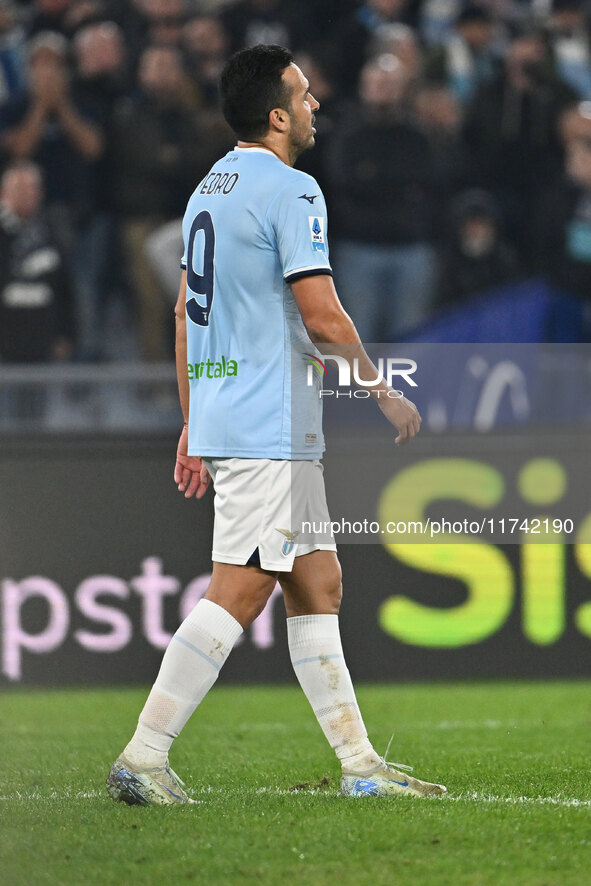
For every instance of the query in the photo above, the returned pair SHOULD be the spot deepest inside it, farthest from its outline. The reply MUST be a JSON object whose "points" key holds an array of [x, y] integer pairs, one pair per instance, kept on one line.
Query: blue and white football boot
{"points": [[145, 787], [387, 781]]}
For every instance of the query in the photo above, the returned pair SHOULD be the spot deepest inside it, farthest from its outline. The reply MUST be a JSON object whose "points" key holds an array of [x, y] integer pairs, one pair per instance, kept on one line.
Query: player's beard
{"points": [[302, 139]]}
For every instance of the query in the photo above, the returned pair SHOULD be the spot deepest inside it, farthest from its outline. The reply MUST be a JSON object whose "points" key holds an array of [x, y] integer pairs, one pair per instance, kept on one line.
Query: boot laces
{"points": [[391, 765]]}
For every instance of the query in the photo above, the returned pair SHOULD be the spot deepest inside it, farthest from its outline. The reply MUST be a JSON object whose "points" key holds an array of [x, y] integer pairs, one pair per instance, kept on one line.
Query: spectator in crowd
{"points": [[205, 43], [102, 69], [133, 18], [328, 14], [66, 16], [50, 15], [159, 152], [562, 233], [35, 319], [519, 15], [128, 137], [165, 19], [206, 46], [568, 34], [466, 58], [50, 125], [381, 177], [354, 36], [440, 115], [400, 41], [102, 78], [573, 124], [12, 54], [437, 18], [511, 129], [249, 22], [47, 124], [475, 257]]}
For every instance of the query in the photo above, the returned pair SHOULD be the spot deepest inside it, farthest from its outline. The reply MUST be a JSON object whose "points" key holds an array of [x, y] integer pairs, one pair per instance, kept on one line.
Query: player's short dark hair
{"points": [[251, 86]]}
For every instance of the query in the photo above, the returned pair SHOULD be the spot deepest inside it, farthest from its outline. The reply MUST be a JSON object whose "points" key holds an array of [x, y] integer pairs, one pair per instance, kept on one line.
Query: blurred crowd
{"points": [[453, 146]]}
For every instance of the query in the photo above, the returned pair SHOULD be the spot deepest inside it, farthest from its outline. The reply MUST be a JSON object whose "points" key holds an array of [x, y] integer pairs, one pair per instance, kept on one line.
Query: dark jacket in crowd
{"points": [[562, 241], [67, 175], [155, 158], [462, 275], [465, 272], [275, 21], [513, 135], [34, 296], [381, 179], [101, 94]]}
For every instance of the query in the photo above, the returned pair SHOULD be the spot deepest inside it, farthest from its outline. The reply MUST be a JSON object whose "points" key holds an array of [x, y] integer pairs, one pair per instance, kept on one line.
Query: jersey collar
{"points": [[255, 151]]}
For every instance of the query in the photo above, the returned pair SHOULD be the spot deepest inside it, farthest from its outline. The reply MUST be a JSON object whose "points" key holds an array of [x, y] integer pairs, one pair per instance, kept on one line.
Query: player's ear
{"points": [[278, 119]]}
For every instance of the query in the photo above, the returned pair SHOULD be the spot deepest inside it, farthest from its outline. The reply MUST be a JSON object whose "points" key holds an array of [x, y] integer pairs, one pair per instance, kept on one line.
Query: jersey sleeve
{"points": [[184, 255], [298, 220]]}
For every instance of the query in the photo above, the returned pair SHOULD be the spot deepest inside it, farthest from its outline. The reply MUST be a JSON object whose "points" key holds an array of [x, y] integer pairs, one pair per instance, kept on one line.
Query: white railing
{"points": [[88, 398]]}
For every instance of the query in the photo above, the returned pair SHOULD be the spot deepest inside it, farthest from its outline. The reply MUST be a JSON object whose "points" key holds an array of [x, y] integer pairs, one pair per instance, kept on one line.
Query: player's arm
{"points": [[327, 322], [180, 346], [190, 474]]}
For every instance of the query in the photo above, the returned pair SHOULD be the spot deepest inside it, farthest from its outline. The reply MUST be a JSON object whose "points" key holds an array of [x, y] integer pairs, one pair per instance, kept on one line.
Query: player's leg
{"points": [[195, 656], [238, 592], [312, 593], [243, 591], [190, 667]]}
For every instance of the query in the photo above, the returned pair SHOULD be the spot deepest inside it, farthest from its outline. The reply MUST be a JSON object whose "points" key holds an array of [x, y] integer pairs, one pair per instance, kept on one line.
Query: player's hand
{"points": [[190, 473], [404, 415]]}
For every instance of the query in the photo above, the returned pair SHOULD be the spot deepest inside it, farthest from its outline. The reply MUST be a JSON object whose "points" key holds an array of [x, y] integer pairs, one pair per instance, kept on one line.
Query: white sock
{"points": [[317, 658], [189, 669]]}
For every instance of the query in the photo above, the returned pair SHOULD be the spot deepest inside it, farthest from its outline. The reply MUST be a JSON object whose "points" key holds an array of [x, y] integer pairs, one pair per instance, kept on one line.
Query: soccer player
{"points": [[256, 278]]}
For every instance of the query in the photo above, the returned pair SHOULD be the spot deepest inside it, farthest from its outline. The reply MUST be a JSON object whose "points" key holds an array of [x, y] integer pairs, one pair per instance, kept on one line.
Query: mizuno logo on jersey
{"points": [[309, 199]]}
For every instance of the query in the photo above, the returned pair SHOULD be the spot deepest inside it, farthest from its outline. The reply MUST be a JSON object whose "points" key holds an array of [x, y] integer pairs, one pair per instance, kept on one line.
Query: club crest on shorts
{"points": [[289, 543]]}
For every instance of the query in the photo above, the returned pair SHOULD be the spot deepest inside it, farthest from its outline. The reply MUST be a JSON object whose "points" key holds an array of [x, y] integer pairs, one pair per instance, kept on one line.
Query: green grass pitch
{"points": [[515, 757]]}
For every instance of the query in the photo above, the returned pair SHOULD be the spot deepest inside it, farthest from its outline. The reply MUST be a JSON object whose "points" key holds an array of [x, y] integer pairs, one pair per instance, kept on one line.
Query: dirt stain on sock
{"points": [[331, 670], [346, 723]]}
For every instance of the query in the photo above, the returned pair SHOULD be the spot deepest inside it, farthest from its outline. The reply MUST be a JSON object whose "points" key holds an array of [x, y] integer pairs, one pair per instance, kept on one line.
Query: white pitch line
{"points": [[475, 797], [466, 797], [492, 724]]}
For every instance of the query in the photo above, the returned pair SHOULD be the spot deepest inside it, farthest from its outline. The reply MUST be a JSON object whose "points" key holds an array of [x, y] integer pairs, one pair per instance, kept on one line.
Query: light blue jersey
{"points": [[251, 227]]}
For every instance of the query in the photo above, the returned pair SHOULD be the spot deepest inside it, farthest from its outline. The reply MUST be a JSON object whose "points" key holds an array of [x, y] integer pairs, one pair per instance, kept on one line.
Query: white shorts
{"points": [[260, 504]]}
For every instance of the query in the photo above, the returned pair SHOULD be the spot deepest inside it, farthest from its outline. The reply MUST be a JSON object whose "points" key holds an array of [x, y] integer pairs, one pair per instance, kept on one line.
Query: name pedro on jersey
{"points": [[222, 368]]}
